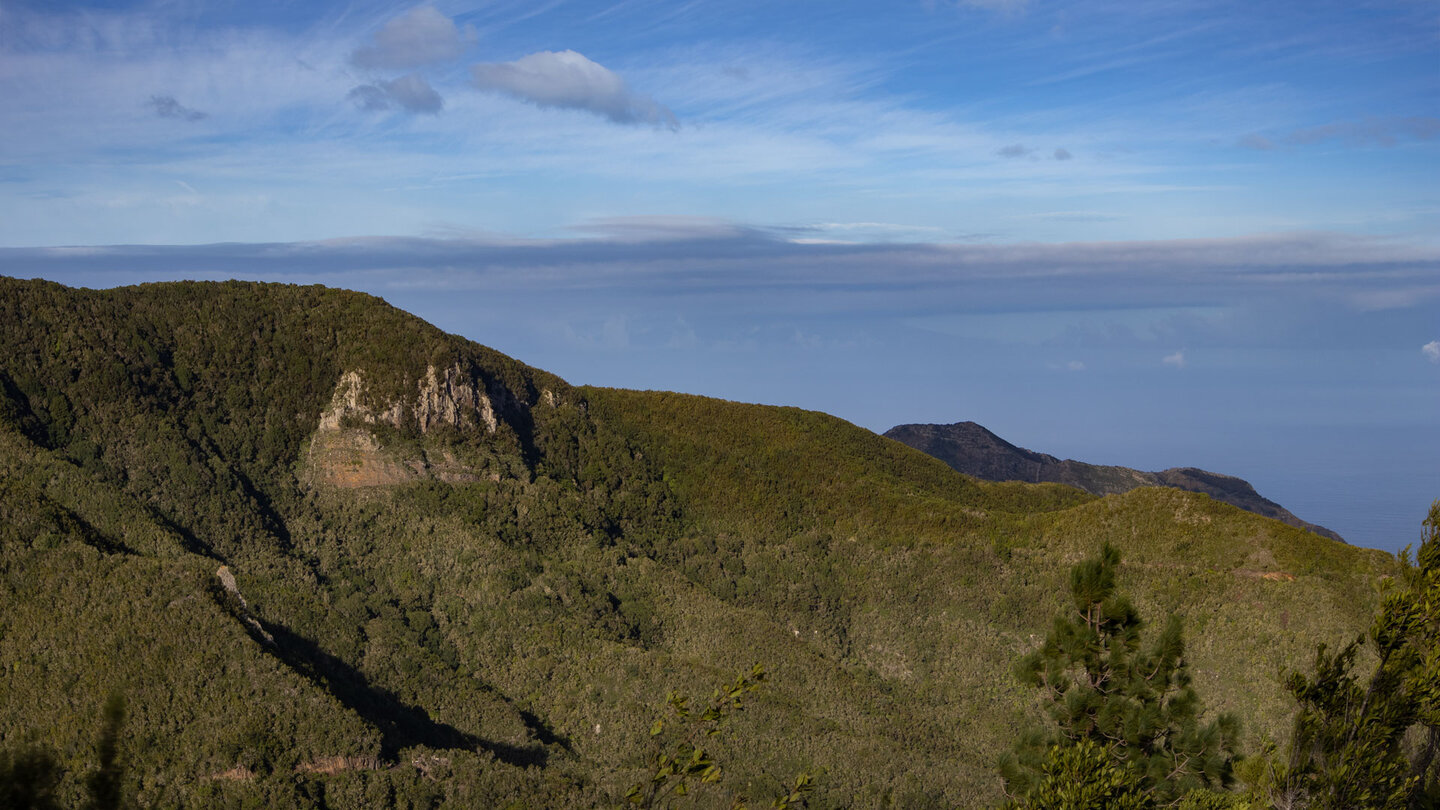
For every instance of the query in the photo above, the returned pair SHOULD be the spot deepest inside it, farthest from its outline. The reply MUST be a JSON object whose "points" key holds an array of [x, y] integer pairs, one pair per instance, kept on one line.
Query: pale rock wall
{"points": [[453, 398], [451, 401], [344, 454]]}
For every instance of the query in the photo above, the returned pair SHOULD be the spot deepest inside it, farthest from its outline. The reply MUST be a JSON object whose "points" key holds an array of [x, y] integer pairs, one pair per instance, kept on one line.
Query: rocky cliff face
{"points": [[971, 449], [450, 398], [347, 451]]}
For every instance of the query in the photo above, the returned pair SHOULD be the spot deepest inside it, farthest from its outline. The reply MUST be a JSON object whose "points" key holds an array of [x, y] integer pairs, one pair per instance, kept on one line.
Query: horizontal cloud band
{"points": [[688, 257]]}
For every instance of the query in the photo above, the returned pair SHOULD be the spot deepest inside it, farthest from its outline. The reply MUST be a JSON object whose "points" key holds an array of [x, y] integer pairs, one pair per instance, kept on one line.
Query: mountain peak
{"points": [[973, 449]]}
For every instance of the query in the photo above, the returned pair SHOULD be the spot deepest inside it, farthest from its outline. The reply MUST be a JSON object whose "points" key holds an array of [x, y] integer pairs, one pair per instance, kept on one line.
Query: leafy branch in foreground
{"points": [[686, 764]]}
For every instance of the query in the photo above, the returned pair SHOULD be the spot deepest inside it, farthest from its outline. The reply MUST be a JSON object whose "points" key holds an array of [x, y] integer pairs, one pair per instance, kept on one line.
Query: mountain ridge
{"points": [[972, 449], [488, 613]]}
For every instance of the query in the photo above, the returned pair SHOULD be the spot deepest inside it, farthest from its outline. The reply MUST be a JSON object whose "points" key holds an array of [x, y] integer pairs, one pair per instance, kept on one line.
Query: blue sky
{"points": [[1184, 232]]}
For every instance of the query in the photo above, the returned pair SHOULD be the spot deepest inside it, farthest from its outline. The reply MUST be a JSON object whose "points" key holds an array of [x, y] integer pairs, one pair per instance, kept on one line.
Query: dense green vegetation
{"points": [[500, 620], [1126, 712]]}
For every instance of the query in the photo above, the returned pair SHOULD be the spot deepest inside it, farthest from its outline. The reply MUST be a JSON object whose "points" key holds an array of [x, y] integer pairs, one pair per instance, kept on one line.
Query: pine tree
{"points": [[1349, 747], [1128, 705]]}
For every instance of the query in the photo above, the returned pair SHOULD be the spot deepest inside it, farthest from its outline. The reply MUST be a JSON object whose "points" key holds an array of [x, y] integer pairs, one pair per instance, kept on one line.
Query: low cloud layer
{"points": [[680, 257], [568, 80], [168, 107], [410, 93], [423, 36]]}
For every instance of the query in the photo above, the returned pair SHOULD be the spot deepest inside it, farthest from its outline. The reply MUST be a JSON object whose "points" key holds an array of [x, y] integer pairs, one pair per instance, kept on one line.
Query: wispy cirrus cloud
{"points": [[780, 127], [1007, 6], [1384, 132], [569, 80]]}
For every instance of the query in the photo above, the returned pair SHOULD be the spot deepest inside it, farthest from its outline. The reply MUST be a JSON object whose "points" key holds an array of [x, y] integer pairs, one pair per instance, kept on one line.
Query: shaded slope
{"points": [[971, 449]]}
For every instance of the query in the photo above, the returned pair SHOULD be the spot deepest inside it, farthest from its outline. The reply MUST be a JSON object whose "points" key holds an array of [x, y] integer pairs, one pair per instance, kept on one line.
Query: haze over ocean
{"points": [[1194, 233], [1371, 484]]}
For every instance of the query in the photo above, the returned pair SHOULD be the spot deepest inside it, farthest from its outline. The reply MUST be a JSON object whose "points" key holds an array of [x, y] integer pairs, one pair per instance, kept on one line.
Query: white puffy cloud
{"points": [[1075, 365], [1431, 351], [410, 92], [566, 79], [422, 36], [1177, 359]]}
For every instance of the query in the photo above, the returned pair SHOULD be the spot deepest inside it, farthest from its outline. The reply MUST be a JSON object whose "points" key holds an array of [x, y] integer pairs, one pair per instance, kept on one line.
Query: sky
{"points": [[1172, 233]]}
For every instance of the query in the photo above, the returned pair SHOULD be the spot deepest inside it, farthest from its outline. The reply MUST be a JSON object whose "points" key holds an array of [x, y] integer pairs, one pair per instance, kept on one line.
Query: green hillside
{"points": [[333, 557]]}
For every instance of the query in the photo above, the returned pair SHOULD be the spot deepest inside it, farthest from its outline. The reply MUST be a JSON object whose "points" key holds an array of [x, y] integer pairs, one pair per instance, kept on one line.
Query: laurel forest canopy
{"points": [[331, 556]]}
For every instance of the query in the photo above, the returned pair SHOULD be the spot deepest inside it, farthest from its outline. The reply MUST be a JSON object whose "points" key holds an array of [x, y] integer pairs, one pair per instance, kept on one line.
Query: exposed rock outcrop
{"points": [[353, 457], [452, 401], [345, 450], [450, 398], [227, 581]]}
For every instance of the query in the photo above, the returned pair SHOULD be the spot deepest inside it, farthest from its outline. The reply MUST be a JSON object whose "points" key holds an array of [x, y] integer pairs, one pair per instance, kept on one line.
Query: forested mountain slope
{"points": [[333, 557]]}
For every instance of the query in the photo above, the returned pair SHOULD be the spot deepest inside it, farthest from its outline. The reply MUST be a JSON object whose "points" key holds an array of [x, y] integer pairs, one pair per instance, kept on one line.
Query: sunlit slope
{"points": [[769, 471], [331, 556], [937, 582]]}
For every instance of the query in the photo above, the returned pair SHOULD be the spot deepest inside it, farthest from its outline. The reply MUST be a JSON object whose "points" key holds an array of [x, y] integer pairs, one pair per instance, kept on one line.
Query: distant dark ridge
{"points": [[972, 449]]}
